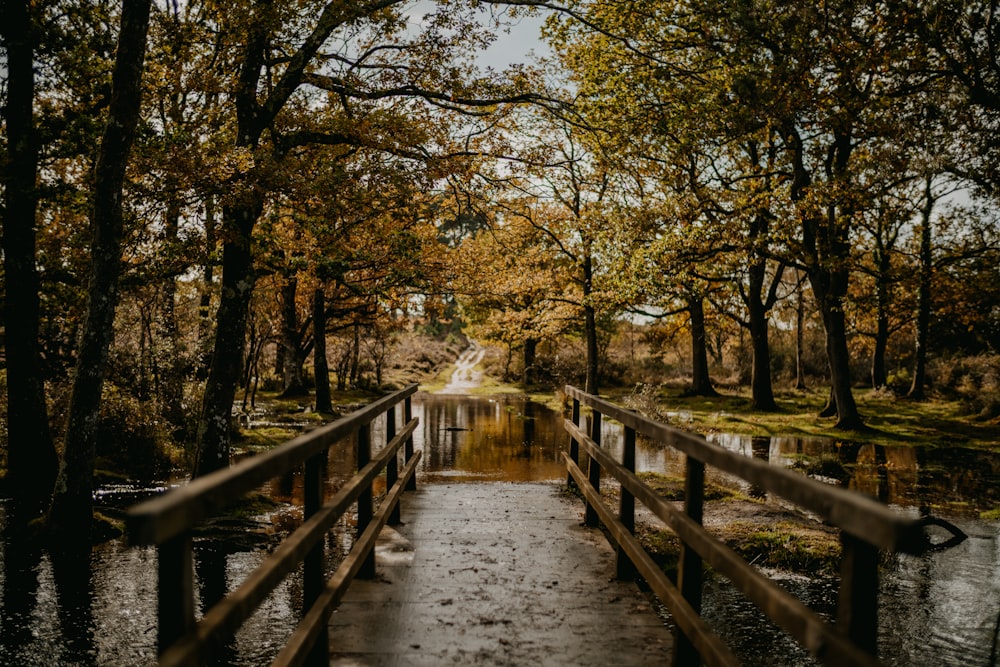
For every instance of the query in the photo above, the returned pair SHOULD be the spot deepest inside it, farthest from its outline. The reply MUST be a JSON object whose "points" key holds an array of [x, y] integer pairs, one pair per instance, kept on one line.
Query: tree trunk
{"points": [[230, 337], [800, 316], [590, 328], [701, 383], [293, 383], [320, 367], [172, 388], [31, 456], [831, 288], [917, 388], [356, 356], [826, 241], [883, 295], [72, 503], [762, 392], [204, 360], [530, 349]]}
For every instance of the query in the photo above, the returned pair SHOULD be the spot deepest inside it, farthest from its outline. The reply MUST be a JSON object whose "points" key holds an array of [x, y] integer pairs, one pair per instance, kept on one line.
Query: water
{"points": [[940, 608]]}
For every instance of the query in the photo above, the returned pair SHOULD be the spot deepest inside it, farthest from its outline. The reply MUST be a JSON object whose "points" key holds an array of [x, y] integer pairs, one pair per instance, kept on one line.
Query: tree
{"points": [[72, 502], [507, 280], [377, 62], [31, 458]]}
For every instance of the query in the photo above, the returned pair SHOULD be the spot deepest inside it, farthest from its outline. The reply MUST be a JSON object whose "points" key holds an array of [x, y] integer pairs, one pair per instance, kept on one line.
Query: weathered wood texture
{"points": [[167, 522], [866, 525]]}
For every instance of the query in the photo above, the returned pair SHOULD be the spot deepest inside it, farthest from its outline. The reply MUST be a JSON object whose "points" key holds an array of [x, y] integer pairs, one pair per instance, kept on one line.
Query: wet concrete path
{"points": [[495, 574]]}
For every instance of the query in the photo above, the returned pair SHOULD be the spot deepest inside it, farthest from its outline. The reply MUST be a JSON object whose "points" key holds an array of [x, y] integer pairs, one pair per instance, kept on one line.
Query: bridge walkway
{"points": [[495, 574]]}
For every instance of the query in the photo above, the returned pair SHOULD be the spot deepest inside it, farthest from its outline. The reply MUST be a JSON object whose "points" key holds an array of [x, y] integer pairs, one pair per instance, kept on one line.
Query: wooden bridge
{"points": [[506, 574]]}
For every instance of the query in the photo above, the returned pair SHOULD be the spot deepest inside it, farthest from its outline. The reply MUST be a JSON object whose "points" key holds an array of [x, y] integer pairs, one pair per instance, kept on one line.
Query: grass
{"points": [[891, 420], [990, 515], [784, 545]]}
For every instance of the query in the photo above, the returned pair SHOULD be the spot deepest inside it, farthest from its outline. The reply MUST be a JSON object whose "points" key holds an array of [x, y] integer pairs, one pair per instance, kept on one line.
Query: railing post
{"points": [[411, 485], [392, 466], [574, 446], [594, 468], [365, 511], [689, 571], [857, 603], [175, 600], [626, 506], [313, 565]]}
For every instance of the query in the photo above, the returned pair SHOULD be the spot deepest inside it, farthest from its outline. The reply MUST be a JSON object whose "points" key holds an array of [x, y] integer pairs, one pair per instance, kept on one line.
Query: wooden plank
{"points": [[854, 512], [175, 579], [593, 468], [689, 570], [857, 605], [818, 636], [225, 618], [626, 507], [711, 648], [314, 622], [314, 565], [574, 450], [365, 500], [392, 467], [158, 519]]}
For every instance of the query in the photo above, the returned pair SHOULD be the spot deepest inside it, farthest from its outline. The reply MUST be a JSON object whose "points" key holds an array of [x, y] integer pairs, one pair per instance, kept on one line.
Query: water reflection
{"points": [[473, 439]]}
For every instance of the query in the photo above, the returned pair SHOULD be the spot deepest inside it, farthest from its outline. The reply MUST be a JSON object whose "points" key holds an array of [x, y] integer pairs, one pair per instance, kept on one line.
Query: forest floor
{"points": [[891, 420]]}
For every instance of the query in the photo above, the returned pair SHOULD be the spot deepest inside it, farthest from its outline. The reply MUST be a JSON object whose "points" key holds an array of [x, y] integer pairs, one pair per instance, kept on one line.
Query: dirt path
{"points": [[466, 377], [495, 574]]}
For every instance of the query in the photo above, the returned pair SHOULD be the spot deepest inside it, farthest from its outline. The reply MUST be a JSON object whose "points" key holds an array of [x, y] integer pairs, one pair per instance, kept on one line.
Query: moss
{"points": [[664, 547], [672, 488], [268, 437], [784, 545], [990, 515]]}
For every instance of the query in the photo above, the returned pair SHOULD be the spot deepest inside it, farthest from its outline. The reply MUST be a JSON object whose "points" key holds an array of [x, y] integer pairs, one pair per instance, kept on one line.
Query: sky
{"points": [[512, 47]]}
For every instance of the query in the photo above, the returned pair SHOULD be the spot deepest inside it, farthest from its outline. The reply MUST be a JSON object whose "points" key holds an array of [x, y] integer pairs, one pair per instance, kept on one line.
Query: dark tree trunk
{"points": [[320, 367], [293, 383], [883, 296], [31, 456], [72, 503], [214, 428], [356, 355], [917, 388], [205, 302], [530, 349], [831, 288], [701, 382], [800, 316], [172, 388], [590, 328], [762, 392], [880, 374], [826, 241]]}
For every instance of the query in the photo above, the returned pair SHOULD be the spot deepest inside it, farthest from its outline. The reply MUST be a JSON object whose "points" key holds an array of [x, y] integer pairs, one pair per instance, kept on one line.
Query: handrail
{"points": [[866, 526], [167, 522]]}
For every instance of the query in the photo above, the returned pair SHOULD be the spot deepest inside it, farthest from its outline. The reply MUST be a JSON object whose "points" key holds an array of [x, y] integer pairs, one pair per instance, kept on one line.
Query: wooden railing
{"points": [[866, 527], [167, 522]]}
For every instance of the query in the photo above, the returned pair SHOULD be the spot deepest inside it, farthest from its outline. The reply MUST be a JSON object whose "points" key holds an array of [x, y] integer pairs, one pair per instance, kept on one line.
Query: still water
{"points": [[941, 608]]}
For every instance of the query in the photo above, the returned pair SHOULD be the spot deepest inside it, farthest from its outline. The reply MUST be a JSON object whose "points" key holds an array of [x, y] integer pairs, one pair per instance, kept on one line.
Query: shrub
{"points": [[131, 436], [973, 380]]}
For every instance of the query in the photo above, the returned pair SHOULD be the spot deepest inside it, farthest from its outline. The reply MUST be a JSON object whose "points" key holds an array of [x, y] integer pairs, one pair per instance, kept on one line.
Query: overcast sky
{"points": [[515, 46]]}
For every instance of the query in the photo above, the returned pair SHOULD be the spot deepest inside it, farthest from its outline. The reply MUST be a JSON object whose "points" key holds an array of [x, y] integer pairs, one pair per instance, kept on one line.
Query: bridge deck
{"points": [[495, 574]]}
